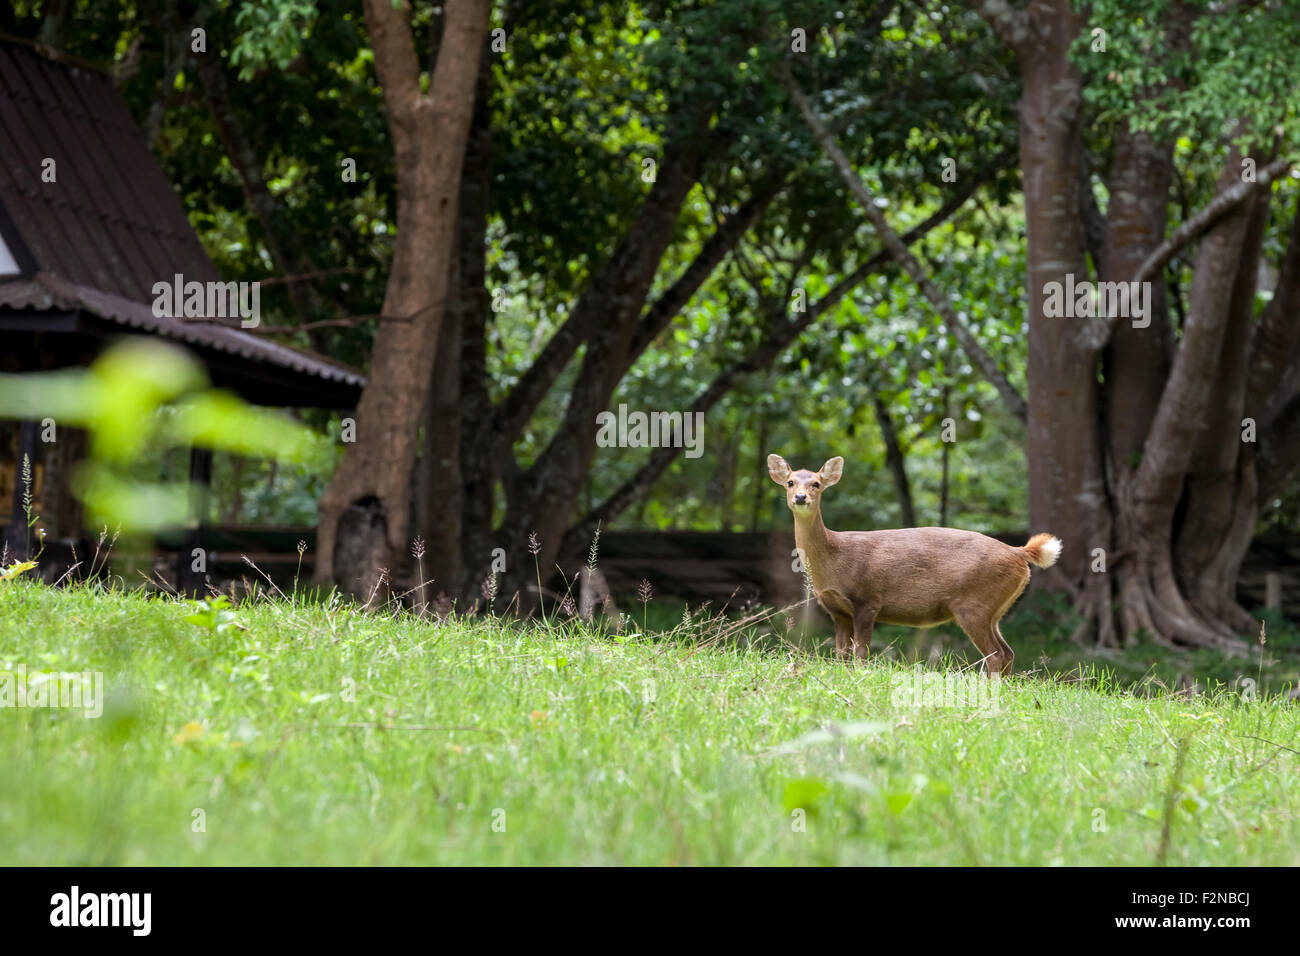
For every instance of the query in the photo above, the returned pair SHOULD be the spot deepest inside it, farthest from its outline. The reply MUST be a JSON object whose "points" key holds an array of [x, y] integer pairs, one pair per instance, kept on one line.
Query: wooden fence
{"points": [[712, 566]]}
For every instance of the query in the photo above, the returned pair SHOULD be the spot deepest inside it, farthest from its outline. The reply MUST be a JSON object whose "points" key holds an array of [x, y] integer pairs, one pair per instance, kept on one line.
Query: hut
{"points": [[89, 225]]}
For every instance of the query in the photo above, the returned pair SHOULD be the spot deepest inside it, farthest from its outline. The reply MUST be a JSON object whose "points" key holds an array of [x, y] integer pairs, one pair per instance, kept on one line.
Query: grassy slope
{"points": [[597, 751]]}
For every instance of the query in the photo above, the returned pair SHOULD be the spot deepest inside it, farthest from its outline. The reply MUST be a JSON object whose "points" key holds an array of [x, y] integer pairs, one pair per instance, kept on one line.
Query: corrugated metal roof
{"points": [[47, 291], [111, 225], [110, 220]]}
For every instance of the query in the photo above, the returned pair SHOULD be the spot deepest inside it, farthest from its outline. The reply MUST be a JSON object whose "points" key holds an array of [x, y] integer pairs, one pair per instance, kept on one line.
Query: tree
{"points": [[365, 510], [1140, 452]]}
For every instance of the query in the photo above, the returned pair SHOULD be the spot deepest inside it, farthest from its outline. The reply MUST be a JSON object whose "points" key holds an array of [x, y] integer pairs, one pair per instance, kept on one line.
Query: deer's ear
{"points": [[832, 470], [778, 469]]}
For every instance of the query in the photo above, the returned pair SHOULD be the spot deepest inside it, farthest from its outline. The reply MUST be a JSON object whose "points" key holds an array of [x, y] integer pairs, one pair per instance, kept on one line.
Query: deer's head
{"points": [[803, 489]]}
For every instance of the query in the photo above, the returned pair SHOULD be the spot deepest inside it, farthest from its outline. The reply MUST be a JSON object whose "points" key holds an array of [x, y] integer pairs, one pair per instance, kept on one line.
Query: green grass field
{"points": [[312, 734]]}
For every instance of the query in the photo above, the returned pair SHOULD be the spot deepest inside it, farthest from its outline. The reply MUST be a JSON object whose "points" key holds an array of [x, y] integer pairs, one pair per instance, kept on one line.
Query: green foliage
{"points": [[270, 34], [1236, 64], [213, 614], [144, 395], [583, 94]]}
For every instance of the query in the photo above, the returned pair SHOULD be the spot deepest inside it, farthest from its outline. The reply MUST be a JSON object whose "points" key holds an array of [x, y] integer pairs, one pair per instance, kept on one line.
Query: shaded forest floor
{"points": [[282, 733]]}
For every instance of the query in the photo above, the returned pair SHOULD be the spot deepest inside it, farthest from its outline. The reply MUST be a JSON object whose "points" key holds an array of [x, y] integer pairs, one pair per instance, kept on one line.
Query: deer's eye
{"points": [[790, 483], [817, 484]]}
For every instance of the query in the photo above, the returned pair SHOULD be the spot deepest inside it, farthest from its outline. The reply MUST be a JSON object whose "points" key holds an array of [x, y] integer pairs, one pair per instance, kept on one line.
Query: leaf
{"points": [[20, 567], [222, 420], [898, 802], [215, 615], [805, 793]]}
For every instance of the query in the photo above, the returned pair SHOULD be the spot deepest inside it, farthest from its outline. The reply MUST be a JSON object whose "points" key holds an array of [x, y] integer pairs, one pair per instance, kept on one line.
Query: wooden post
{"points": [[1272, 590], [188, 580]]}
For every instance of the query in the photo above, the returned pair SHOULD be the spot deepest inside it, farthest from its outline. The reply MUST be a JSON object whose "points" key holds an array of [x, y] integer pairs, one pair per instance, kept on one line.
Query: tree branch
{"points": [[281, 241], [895, 462], [397, 67], [1094, 223], [898, 250], [724, 239], [1220, 206], [515, 410], [775, 342]]}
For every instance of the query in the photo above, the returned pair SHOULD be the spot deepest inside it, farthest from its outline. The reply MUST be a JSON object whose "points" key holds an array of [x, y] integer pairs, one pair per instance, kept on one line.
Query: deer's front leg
{"points": [[864, 622], [843, 634], [841, 612]]}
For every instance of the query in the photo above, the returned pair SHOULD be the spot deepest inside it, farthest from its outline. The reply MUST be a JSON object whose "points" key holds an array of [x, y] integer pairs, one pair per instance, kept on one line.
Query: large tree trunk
{"points": [[1067, 493], [1221, 493], [429, 133], [1145, 478], [1154, 600], [446, 485], [1136, 360]]}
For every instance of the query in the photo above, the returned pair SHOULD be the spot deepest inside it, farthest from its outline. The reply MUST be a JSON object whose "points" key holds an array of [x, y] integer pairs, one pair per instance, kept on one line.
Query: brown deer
{"points": [[917, 577]]}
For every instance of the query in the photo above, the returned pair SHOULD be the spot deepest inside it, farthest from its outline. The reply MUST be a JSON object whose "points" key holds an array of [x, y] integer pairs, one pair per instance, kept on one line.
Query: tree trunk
{"points": [[1063, 443], [894, 462], [761, 495], [1136, 360], [1221, 492], [1143, 477], [449, 432], [429, 133], [1153, 599], [944, 470]]}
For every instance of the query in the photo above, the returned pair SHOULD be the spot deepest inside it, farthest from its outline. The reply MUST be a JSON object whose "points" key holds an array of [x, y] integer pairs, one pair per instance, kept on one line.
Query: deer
{"points": [[915, 577]]}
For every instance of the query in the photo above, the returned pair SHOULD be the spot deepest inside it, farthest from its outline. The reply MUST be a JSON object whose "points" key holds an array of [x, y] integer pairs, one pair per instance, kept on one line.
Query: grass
{"points": [[318, 734]]}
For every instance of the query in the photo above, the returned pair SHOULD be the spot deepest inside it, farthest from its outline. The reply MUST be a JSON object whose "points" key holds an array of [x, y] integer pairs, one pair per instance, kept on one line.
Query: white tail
{"points": [[917, 577], [1042, 550]]}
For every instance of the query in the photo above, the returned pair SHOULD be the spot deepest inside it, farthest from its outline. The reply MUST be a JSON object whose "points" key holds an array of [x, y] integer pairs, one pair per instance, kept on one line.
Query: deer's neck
{"points": [[812, 538]]}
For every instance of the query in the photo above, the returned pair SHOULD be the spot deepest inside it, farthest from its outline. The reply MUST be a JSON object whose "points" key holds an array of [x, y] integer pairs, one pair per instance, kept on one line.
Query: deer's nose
{"points": [[800, 499]]}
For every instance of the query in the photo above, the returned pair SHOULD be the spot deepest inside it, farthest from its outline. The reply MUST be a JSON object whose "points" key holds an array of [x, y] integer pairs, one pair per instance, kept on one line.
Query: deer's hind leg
{"points": [[1008, 656], [982, 629]]}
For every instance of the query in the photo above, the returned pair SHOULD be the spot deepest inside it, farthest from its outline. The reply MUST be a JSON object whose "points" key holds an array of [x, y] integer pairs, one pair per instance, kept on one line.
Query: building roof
{"points": [[47, 292], [110, 226]]}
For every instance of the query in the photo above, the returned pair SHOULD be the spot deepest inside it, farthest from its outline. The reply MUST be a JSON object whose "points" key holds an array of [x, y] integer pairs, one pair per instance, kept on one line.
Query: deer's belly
{"points": [[919, 613], [921, 616]]}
